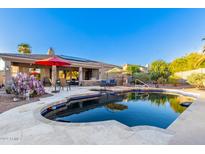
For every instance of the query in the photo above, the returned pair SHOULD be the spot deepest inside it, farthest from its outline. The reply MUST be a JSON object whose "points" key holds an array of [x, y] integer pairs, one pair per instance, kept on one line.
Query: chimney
{"points": [[51, 52]]}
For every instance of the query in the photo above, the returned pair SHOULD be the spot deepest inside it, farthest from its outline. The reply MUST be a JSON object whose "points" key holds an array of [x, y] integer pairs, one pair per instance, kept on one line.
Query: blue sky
{"points": [[115, 36]]}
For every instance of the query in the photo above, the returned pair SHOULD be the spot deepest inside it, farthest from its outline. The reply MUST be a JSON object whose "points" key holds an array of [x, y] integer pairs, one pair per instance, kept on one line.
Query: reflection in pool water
{"points": [[131, 109]]}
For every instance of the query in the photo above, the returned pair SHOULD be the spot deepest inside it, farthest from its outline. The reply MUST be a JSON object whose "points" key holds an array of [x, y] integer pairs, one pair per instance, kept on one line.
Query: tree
{"points": [[203, 50], [191, 61], [24, 48], [200, 62], [159, 69], [154, 76], [131, 69], [178, 65]]}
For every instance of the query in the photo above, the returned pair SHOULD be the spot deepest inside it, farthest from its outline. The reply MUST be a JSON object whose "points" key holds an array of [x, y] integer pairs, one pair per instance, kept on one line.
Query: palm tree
{"points": [[24, 48], [203, 50], [202, 59]]}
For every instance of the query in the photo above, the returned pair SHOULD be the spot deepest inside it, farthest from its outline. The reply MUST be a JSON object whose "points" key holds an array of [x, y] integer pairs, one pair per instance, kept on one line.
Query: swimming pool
{"points": [[131, 109]]}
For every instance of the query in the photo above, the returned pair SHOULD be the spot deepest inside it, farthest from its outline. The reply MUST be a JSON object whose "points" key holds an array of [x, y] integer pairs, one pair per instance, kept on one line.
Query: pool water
{"points": [[131, 109]]}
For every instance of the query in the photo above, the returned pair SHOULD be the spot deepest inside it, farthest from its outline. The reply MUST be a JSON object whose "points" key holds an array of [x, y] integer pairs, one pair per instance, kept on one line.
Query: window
{"points": [[14, 70]]}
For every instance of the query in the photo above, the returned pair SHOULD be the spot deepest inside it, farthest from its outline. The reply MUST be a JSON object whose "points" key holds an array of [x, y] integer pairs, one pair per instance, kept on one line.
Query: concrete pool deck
{"points": [[189, 127], [25, 125]]}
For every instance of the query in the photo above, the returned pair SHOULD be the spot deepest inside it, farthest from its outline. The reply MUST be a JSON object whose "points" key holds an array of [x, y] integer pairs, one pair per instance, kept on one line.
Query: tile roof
{"points": [[31, 56]]}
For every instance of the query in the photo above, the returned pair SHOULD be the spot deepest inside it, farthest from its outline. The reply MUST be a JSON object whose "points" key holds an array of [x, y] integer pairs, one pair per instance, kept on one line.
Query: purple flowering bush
{"points": [[23, 83]]}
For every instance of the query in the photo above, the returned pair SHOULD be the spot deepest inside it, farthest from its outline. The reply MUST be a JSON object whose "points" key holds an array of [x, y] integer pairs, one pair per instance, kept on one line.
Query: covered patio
{"points": [[81, 72], [48, 72]]}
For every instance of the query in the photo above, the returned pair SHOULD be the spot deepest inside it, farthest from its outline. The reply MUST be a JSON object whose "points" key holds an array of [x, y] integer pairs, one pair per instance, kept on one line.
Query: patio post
{"points": [[7, 72], [54, 74], [80, 75], [100, 74], [70, 73]]}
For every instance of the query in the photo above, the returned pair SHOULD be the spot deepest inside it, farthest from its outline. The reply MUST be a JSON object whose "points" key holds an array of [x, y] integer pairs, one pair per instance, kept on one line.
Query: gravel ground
{"points": [[6, 101]]}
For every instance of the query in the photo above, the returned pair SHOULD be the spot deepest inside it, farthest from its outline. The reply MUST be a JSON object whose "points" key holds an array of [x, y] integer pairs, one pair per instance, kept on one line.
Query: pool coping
{"points": [[82, 96], [40, 117]]}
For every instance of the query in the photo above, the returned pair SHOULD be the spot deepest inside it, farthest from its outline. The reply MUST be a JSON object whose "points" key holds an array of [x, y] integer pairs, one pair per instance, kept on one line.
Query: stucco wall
{"points": [[1, 77], [103, 72]]}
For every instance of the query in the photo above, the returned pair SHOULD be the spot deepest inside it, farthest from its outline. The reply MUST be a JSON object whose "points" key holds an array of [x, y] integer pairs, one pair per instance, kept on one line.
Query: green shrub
{"points": [[161, 80], [145, 77], [197, 80], [8, 90], [173, 79]]}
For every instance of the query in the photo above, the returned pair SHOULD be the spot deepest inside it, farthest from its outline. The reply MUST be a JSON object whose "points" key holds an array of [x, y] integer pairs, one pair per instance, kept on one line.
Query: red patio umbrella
{"points": [[53, 61]]}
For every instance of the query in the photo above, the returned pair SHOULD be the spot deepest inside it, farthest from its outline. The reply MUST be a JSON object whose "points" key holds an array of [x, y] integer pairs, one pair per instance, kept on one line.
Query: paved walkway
{"points": [[189, 128], [25, 125]]}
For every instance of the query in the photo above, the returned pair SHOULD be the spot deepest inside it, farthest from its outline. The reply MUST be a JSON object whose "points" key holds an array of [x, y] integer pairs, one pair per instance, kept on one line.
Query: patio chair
{"points": [[47, 82], [64, 83], [54, 85], [103, 83], [108, 82], [113, 82], [74, 82], [58, 84]]}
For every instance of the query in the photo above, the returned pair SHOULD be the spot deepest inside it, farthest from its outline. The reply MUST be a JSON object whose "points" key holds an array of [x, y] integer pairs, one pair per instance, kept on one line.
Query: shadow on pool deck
{"points": [[7, 103]]}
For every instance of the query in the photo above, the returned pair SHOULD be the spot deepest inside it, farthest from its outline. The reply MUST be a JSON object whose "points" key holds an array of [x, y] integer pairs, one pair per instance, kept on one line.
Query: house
{"points": [[87, 72]]}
